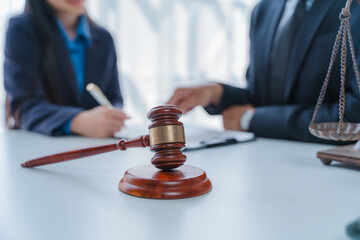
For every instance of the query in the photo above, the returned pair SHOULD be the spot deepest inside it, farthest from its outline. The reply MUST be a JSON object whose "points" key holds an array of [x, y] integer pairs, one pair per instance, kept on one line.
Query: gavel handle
{"points": [[122, 145]]}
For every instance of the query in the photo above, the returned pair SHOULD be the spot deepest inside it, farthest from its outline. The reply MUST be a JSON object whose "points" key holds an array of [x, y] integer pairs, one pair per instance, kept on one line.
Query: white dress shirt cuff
{"points": [[246, 119]]}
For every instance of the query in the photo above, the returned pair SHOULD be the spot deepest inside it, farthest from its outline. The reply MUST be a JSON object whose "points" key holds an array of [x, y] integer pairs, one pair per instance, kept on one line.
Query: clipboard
{"points": [[202, 137]]}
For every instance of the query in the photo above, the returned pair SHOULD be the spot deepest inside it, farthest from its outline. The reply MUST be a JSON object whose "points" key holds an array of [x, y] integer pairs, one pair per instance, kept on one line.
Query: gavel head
{"points": [[167, 137]]}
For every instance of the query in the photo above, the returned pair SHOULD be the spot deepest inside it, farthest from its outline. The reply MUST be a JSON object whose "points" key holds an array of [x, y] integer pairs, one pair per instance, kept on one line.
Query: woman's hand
{"points": [[99, 122]]}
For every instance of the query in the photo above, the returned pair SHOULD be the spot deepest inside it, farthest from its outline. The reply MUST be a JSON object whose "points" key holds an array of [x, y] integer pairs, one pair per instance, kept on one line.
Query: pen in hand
{"points": [[98, 95], [99, 122]]}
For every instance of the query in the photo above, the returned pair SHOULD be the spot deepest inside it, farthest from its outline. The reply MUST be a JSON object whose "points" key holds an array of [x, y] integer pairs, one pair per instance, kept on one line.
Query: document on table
{"points": [[196, 137], [201, 137]]}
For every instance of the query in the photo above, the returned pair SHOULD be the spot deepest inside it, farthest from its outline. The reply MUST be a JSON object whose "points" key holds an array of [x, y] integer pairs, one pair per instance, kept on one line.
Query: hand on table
{"points": [[232, 116], [100, 122], [188, 98]]}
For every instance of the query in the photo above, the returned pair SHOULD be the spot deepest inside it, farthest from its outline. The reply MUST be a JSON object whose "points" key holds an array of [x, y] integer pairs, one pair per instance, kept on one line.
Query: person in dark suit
{"points": [[290, 47], [52, 51]]}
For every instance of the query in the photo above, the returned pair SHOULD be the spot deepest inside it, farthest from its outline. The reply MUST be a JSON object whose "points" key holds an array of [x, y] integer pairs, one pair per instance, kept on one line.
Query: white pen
{"points": [[98, 95]]}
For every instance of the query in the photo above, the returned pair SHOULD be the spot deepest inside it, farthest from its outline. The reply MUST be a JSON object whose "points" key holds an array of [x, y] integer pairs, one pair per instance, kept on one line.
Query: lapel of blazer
{"points": [[303, 40], [67, 73], [266, 40], [91, 61]]}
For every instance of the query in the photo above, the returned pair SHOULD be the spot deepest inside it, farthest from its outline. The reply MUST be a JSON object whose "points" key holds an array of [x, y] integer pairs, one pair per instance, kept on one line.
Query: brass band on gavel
{"points": [[167, 134]]}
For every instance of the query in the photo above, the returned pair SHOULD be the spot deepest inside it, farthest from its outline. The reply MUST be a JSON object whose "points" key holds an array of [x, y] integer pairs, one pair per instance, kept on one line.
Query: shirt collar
{"points": [[309, 4], [82, 32]]}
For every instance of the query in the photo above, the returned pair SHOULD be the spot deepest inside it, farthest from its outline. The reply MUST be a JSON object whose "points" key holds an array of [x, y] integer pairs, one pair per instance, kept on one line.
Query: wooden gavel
{"points": [[166, 138]]}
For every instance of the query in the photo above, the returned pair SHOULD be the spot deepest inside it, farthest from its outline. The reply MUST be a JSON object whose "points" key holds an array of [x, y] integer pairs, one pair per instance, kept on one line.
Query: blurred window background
{"points": [[164, 44]]}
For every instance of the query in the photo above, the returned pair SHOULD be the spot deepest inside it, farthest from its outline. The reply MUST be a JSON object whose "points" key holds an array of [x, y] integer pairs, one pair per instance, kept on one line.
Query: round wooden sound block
{"points": [[149, 182]]}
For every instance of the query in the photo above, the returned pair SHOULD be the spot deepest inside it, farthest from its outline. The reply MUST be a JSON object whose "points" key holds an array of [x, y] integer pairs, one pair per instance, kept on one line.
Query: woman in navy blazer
{"points": [[52, 52]]}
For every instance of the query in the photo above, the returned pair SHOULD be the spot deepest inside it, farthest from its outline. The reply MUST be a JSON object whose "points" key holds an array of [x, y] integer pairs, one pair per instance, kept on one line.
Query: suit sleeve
{"points": [[23, 84], [292, 121], [231, 96]]}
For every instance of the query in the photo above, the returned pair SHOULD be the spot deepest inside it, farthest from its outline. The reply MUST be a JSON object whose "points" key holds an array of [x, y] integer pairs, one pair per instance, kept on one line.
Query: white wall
{"points": [[163, 44]]}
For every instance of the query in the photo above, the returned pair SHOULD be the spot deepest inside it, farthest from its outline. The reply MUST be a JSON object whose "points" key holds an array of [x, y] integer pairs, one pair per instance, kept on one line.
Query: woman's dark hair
{"points": [[44, 20]]}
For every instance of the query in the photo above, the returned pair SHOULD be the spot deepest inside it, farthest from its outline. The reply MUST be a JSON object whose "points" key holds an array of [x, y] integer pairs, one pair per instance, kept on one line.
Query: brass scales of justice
{"points": [[339, 131]]}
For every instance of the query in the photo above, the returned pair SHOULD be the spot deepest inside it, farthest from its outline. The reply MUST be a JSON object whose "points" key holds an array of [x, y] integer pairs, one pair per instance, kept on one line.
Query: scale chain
{"points": [[341, 131], [328, 74], [344, 34], [342, 75]]}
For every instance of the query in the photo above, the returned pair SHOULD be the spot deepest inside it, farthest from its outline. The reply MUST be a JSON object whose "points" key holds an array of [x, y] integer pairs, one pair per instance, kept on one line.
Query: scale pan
{"points": [[329, 131]]}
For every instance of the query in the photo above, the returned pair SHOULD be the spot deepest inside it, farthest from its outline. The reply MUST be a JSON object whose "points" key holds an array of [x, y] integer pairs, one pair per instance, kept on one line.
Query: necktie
{"points": [[280, 54]]}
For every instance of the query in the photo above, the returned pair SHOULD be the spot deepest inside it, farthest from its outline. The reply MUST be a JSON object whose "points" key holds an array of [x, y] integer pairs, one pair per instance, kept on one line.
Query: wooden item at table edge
{"points": [[149, 182], [122, 145], [345, 154], [166, 139]]}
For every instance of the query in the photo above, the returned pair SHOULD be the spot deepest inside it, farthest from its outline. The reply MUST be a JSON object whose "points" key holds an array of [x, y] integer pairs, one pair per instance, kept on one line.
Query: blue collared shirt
{"points": [[77, 49]]}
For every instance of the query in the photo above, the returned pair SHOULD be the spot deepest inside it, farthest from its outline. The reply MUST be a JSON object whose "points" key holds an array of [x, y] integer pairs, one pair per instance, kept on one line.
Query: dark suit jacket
{"points": [[31, 108], [307, 69]]}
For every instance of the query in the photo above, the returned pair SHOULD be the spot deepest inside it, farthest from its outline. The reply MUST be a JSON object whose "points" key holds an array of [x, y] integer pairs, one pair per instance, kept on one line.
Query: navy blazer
{"points": [[307, 68], [32, 109]]}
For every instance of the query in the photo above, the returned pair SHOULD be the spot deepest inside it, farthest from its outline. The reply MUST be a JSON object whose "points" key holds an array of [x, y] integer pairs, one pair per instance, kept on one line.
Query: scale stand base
{"points": [[345, 154]]}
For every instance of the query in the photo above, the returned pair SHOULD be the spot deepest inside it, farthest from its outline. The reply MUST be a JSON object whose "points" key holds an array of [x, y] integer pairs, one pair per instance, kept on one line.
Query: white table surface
{"points": [[266, 189]]}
